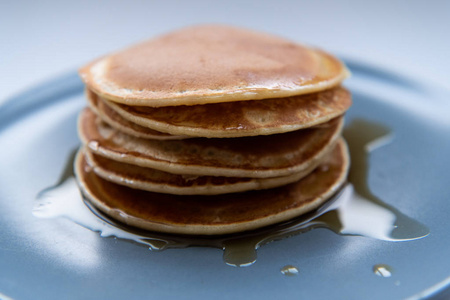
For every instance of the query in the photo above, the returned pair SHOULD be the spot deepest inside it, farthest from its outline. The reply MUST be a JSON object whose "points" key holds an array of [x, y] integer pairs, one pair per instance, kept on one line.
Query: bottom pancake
{"points": [[219, 214]]}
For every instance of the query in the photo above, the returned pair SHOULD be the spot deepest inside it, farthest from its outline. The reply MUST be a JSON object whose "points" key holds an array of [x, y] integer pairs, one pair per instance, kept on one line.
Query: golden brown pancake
{"points": [[211, 64], [255, 157], [114, 119], [212, 130], [221, 214], [237, 119], [162, 182]]}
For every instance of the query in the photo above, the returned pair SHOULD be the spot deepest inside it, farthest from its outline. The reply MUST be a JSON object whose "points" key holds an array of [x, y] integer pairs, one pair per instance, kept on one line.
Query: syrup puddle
{"points": [[353, 211]]}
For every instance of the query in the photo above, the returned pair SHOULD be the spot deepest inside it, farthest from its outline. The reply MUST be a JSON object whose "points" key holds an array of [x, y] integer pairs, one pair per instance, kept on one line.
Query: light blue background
{"points": [[43, 39]]}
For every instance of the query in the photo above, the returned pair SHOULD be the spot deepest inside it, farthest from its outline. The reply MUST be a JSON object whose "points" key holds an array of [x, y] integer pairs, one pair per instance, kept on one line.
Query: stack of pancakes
{"points": [[212, 130]]}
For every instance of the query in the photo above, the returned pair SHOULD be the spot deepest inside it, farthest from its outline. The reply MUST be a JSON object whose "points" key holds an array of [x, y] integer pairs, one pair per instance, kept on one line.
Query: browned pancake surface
{"points": [[112, 118], [162, 182], [238, 119], [260, 156], [215, 214], [210, 64]]}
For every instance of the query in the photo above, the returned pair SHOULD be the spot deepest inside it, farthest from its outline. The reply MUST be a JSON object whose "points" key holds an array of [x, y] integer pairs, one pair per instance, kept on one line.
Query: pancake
{"points": [[212, 215], [237, 119], [211, 64], [114, 119], [162, 182], [255, 157]]}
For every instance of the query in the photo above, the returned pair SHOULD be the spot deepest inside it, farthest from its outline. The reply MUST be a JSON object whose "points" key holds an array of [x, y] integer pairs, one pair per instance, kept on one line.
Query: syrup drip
{"points": [[289, 270], [382, 270], [352, 211]]}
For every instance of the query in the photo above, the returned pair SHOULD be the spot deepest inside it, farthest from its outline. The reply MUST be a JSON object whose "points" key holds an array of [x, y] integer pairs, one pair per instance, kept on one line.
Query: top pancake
{"points": [[211, 64]]}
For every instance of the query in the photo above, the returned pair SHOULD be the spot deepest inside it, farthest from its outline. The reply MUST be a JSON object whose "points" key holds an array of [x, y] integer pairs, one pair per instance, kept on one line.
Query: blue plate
{"points": [[58, 259]]}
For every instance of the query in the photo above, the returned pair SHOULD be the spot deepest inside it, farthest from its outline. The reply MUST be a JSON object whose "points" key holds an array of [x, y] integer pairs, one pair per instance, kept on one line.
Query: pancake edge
{"points": [[91, 76], [217, 229], [190, 131], [251, 184], [175, 168]]}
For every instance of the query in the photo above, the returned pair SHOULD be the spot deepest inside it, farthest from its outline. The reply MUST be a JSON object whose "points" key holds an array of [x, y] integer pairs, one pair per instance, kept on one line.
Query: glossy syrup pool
{"points": [[354, 210]]}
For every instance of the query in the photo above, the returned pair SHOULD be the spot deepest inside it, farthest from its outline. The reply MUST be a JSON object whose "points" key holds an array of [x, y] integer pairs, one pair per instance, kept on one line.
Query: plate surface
{"points": [[55, 258]]}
